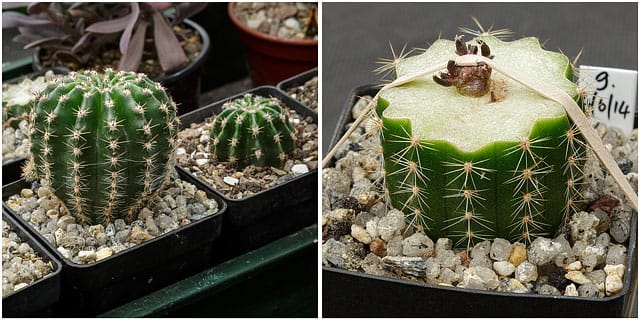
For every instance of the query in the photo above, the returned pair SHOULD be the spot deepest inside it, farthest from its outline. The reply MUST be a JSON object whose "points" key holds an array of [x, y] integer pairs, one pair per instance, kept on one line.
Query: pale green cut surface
{"points": [[441, 113]]}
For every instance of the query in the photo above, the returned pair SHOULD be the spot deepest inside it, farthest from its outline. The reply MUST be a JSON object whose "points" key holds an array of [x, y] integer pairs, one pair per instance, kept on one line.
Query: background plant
{"points": [[76, 31]]}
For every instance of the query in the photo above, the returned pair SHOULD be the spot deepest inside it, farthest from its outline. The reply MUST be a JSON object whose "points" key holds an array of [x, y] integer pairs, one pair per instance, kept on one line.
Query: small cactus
{"points": [[471, 157], [252, 130], [104, 143]]}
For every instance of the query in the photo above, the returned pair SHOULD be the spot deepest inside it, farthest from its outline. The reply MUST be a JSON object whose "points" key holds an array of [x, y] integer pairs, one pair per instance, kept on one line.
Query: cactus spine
{"points": [[506, 164], [252, 130], [104, 143]]}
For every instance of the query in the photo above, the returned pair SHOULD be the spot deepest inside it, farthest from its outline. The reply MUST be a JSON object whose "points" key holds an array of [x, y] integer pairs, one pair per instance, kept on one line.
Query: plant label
{"points": [[611, 94]]}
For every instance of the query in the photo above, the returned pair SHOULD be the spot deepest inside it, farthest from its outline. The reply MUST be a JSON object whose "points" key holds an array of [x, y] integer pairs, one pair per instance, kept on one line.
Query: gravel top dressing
{"points": [[178, 204], [195, 157], [306, 93], [586, 258]]}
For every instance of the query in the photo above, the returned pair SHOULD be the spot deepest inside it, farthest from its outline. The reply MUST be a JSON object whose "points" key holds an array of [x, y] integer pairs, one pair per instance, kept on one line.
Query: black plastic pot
{"points": [[37, 298], [96, 287], [184, 84], [265, 216], [298, 80], [355, 294]]}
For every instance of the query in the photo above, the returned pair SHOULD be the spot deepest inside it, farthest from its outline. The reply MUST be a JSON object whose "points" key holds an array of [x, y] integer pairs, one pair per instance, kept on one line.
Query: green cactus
{"points": [[502, 161], [104, 143], [252, 130]]}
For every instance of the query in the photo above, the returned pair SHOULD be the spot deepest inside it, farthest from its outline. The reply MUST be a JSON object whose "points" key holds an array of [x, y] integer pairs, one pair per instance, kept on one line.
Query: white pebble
{"points": [[613, 284], [202, 161], [19, 286], [204, 138], [574, 266], [64, 252], [360, 234], [103, 253], [300, 169], [571, 291], [577, 277], [526, 272], [614, 270], [181, 151], [230, 180], [504, 268]]}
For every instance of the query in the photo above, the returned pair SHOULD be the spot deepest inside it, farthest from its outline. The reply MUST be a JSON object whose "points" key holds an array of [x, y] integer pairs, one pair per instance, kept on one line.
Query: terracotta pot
{"points": [[272, 59]]}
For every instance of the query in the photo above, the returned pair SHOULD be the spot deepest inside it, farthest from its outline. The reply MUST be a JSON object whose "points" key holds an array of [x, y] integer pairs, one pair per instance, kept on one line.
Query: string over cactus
{"points": [[252, 130], [103, 143]]}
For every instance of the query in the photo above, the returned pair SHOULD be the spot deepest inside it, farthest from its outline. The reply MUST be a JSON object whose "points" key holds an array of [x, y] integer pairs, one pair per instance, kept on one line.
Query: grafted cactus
{"points": [[472, 155], [252, 130], [104, 143]]}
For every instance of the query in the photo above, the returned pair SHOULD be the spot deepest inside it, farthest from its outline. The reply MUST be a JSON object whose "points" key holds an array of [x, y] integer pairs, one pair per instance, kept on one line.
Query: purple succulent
{"points": [[75, 31]]}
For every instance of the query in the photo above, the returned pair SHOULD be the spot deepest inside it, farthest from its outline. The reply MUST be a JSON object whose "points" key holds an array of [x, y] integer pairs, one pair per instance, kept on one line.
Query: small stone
{"points": [[518, 254], [123, 235], [512, 285], [543, 250], [597, 276], [504, 268], [583, 226], [574, 266], [548, 289], [588, 289], [448, 258], [480, 278], [417, 245], [299, 169], [615, 270], [577, 277], [26, 193], [432, 268], [230, 180], [379, 209], [481, 249], [391, 224], [371, 265], [372, 226], [481, 261], [571, 291], [138, 235], [86, 256], [119, 224], [526, 272], [334, 253], [152, 228], [360, 234], [443, 244], [377, 247], [394, 246], [38, 216], [19, 286], [500, 249], [448, 276], [64, 252], [412, 266], [103, 253], [180, 151], [613, 285], [201, 162], [617, 254]]}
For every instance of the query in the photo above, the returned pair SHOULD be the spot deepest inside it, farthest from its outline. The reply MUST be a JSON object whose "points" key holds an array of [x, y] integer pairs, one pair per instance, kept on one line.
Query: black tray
{"points": [[297, 80], [37, 298], [263, 204], [97, 287], [355, 294]]}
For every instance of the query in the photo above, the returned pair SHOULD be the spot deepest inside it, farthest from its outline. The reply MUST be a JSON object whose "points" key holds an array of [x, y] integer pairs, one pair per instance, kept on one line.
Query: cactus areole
{"points": [[104, 143], [499, 162], [252, 130]]}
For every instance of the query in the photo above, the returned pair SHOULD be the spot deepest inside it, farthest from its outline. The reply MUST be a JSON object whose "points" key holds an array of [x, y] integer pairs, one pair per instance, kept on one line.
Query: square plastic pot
{"points": [[357, 294], [93, 288], [270, 214], [37, 298], [298, 80]]}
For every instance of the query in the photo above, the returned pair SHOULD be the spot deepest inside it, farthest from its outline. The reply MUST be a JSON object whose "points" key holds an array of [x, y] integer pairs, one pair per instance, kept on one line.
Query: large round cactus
{"points": [[252, 130], [104, 143], [472, 155]]}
